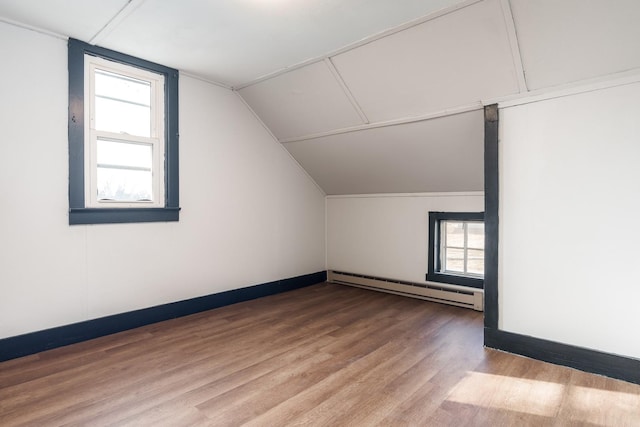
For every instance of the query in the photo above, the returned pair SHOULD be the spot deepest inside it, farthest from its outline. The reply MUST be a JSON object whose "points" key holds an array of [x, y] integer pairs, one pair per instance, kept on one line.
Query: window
{"points": [[456, 248], [123, 138]]}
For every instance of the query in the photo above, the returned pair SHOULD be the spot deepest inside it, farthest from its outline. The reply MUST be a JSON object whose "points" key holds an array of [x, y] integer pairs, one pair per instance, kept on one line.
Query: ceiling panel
{"points": [[81, 19], [235, 42], [301, 102], [456, 59], [444, 154], [570, 40]]}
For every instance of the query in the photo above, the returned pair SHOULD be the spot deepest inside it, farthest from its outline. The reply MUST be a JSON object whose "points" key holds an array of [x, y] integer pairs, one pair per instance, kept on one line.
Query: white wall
{"points": [[249, 213], [569, 234], [387, 235]]}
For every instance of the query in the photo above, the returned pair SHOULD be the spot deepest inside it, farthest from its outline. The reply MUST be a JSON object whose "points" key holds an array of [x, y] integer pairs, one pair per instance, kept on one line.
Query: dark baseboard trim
{"points": [[609, 365], [35, 342]]}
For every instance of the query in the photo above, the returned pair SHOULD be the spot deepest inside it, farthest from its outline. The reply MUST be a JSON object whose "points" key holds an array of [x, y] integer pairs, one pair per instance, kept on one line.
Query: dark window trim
{"points": [[78, 213], [433, 267]]}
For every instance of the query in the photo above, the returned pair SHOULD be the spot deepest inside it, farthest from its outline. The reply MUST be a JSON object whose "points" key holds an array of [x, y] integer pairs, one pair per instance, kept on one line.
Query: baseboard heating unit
{"points": [[452, 295]]}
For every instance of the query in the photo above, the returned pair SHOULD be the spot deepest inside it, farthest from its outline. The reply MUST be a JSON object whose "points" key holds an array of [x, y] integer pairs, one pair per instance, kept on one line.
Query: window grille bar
{"points": [[122, 77], [110, 98], [130, 168]]}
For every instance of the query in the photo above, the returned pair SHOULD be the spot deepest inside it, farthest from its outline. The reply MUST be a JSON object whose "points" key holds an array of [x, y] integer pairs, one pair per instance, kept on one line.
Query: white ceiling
{"points": [[570, 40], [455, 59], [370, 96], [407, 158], [306, 101], [228, 41]]}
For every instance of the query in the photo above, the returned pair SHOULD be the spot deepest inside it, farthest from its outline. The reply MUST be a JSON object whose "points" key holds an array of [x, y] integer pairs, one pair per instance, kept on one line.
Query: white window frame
{"points": [[465, 248], [156, 139]]}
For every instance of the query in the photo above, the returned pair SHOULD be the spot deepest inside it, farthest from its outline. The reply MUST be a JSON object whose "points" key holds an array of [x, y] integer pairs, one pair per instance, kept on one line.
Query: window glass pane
{"points": [[475, 261], [121, 117], [475, 237], [124, 170], [455, 247], [121, 153], [454, 233], [123, 88], [454, 260], [122, 104], [124, 185]]}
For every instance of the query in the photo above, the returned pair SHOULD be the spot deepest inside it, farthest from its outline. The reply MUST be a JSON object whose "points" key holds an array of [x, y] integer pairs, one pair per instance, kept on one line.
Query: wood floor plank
{"points": [[321, 355], [182, 380]]}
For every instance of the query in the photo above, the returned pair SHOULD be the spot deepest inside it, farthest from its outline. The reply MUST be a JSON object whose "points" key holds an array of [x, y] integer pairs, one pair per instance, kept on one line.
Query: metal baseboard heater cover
{"points": [[455, 295]]}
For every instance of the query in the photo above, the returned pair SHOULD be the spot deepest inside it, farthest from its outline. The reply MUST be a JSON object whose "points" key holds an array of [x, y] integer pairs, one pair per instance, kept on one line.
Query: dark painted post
{"points": [[491, 217]]}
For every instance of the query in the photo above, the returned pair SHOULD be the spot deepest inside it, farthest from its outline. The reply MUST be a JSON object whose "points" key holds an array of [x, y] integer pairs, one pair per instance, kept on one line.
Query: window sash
{"points": [[446, 248], [155, 140], [157, 187]]}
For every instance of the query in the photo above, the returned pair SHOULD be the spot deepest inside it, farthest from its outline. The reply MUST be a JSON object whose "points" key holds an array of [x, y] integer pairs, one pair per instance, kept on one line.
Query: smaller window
{"points": [[456, 248]]}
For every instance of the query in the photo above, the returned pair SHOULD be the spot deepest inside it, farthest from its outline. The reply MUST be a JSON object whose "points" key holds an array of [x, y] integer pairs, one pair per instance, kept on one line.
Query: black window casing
{"points": [[78, 212], [433, 266]]}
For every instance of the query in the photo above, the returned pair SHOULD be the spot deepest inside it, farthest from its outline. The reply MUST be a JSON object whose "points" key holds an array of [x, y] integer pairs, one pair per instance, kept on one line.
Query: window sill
{"points": [[122, 215], [472, 282]]}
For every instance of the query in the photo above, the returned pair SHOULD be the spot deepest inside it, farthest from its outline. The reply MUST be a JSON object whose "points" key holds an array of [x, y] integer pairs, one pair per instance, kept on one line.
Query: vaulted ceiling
{"points": [[369, 96]]}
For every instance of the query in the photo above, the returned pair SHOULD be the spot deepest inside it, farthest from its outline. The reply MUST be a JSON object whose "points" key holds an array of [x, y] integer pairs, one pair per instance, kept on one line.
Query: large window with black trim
{"points": [[123, 138], [456, 248]]}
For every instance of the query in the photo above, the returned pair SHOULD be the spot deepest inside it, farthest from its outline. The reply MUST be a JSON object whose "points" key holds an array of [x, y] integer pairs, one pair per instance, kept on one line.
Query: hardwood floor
{"points": [[326, 355]]}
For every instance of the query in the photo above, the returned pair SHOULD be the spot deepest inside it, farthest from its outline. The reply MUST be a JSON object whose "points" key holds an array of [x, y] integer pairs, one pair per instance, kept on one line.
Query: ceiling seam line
{"points": [[116, 20], [367, 40], [624, 78], [396, 122], [346, 90], [35, 29], [446, 194], [275, 140], [204, 79], [512, 36]]}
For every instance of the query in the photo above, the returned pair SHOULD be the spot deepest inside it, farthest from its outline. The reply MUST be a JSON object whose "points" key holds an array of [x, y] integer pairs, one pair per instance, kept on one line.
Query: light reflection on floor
{"points": [[508, 393], [543, 398], [583, 400]]}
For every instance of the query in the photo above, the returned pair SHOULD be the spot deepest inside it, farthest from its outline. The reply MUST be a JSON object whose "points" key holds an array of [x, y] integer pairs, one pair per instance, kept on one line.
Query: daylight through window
{"points": [[456, 248], [123, 138], [462, 247], [125, 146]]}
